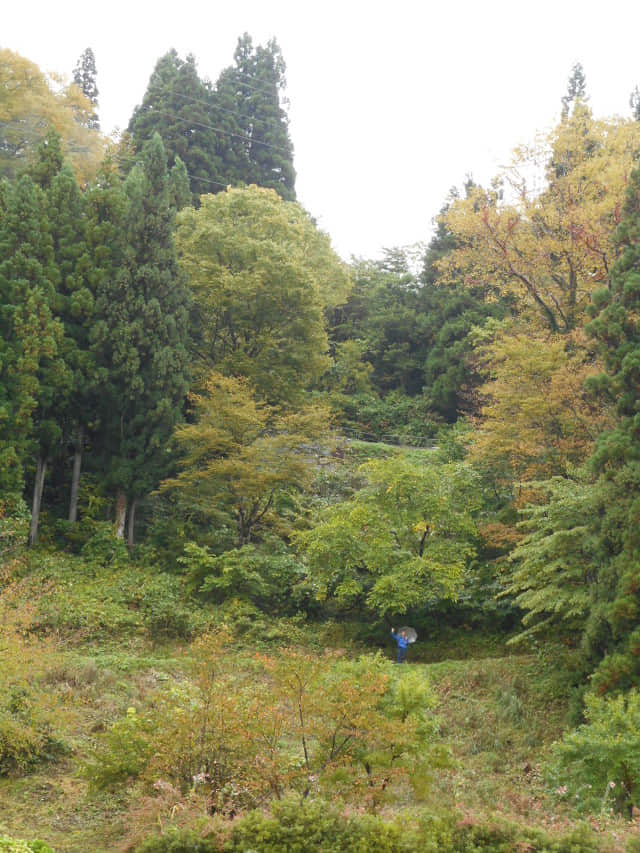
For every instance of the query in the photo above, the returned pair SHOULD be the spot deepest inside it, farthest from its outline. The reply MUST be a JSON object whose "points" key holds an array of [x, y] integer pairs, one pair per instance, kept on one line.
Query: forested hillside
{"points": [[232, 463]]}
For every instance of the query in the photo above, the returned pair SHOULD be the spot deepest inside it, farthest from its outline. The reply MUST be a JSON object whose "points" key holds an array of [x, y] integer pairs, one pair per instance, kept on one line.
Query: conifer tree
{"points": [[576, 90], [84, 76], [28, 332], [141, 338], [258, 81], [178, 106], [61, 414]]}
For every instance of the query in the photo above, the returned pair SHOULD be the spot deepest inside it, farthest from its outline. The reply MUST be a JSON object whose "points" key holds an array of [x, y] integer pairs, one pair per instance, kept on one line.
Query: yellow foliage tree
{"points": [[239, 455], [542, 236], [537, 418], [30, 104]]}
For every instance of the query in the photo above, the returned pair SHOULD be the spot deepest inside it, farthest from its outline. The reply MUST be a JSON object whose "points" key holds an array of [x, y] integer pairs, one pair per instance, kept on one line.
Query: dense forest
{"points": [[231, 463]]}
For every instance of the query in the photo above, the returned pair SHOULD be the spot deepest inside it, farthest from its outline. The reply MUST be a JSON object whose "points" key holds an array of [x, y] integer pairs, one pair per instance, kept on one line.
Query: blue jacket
{"points": [[400, 640]]}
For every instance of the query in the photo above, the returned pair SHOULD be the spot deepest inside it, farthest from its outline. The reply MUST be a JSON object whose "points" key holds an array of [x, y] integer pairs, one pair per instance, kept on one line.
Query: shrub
{"points": [[598, 765], [123, 753], [102, 548], [164, 612], [315, 826], [15, 845], [270, 577]]}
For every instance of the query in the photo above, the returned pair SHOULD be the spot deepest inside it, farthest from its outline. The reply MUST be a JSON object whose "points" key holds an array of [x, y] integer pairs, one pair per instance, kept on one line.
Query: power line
{"points": [[193, 100], [248, 85], [221, 130], [136, 160]]}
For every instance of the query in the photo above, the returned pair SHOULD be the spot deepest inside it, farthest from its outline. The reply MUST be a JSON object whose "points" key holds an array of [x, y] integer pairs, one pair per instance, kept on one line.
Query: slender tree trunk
{"points": [[38, 487], [121, 514], [132, 521], [75, 477]]}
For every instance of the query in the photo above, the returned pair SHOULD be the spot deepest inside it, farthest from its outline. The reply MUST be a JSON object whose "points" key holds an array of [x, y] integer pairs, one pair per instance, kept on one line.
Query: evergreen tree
{"points": [[256, 82], [28, 332], [178, 106], [141, 337], [62, 412], [576, 90], [634, 103], [84, 76]]}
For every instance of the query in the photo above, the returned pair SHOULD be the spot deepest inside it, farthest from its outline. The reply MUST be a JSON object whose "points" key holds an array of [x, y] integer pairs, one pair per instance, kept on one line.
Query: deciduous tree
{"points": [[261, 274]]}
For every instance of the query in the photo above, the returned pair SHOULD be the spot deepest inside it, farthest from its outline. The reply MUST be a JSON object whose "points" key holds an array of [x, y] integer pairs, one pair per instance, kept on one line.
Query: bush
{"points": [[598, 766], [270, 577], [14, 526], [122, 755], [314, 826], [164, 612], [26, 736], [15, 845], [102, 548]]}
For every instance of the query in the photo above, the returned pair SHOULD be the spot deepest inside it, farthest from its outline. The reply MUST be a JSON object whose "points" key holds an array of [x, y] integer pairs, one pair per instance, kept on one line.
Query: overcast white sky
{"points": [[391, 103]]}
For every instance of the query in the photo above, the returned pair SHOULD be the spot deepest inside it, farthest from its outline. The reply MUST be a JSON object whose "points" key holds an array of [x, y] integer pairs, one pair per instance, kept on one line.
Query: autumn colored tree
{"points": [[546, 242], [30, 106], [578, 565], [307, 724], [536, 418], [239, 456]]}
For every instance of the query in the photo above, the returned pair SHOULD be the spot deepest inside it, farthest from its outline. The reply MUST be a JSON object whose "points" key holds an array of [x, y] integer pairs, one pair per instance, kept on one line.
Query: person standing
{"points": [[401, 640]]}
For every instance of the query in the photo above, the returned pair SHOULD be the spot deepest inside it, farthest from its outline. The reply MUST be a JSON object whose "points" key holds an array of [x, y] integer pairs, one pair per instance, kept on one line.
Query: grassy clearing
{"points": [[498, 714]]}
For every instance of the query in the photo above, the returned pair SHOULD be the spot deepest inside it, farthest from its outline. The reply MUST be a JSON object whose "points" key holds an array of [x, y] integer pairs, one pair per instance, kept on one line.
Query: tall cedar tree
{"points": [[233, 133], [617, 455], [71, 407], [142, 337], [84, 76], [255, 83], [28, 332], [179, 106], [62, 209]]}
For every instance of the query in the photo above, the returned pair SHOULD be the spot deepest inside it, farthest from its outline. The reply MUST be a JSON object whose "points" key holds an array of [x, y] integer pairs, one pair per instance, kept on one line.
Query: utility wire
{"points": [[221, 130], [248, 85], [136, 160], [193, 100]]}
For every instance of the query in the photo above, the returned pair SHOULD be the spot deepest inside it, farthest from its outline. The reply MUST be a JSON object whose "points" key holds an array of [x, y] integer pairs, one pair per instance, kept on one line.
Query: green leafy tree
{"points": [[261, 274], [555, 568], [403, 541]]}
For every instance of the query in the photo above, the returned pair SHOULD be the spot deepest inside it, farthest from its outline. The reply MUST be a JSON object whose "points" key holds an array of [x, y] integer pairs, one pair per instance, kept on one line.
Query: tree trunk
{"points": [[121, 514], [38, 488], [75, 477], [132, 521]]}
